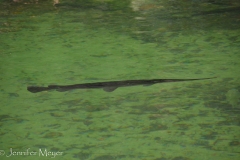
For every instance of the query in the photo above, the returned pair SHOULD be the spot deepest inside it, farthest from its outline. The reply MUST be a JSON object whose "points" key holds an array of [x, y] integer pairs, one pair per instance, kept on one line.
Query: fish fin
{"points": [[109, 89], [57, 88]]}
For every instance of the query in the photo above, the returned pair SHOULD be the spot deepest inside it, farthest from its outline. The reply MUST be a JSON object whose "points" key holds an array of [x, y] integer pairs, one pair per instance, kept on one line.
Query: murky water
{"points": [[75, 42]]}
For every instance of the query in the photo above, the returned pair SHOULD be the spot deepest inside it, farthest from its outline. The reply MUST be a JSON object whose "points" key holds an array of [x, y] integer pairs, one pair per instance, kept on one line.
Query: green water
{"points": [[105, 40]]}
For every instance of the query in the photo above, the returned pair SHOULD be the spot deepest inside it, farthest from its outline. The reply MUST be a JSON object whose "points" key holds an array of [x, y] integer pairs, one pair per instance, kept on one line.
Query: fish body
{"points": [[106, 86]]}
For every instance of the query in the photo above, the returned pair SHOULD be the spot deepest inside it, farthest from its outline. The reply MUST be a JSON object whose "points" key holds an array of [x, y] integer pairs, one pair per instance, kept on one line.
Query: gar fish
{"points": [[106, 86]]}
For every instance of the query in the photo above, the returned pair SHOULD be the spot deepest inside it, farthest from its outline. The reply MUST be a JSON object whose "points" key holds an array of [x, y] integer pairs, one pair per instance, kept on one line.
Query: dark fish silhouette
{"points": [[106, 86]]}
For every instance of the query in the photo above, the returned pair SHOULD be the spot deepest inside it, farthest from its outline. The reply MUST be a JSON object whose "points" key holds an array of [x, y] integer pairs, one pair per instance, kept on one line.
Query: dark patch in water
{"points": [[81, 155], [4, 117], [14, 95], [234, 143]]}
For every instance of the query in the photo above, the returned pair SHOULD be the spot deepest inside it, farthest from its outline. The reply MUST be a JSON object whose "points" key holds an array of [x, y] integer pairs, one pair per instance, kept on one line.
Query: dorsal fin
{"points": [[109, 89]]}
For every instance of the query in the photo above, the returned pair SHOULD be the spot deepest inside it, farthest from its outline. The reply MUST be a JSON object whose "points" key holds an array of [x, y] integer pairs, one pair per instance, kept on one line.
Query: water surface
{"points": [[75, 42]]}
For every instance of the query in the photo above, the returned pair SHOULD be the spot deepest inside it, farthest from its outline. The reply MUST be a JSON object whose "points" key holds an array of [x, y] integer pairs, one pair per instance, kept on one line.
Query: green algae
{"points": [[101, 41]]}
